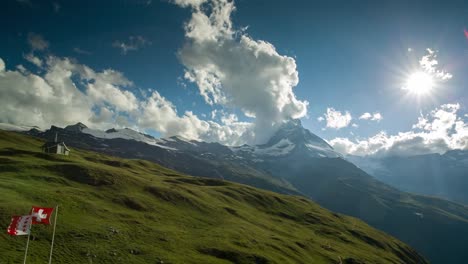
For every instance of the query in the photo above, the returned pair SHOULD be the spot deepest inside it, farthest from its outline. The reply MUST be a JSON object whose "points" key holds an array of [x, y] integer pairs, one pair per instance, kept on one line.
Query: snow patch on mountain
{"points": [[322, 152], [128, 134], [283, 147]]}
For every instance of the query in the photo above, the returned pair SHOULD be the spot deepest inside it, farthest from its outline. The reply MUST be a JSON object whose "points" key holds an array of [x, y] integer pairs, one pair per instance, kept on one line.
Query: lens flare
{"points": [[419, 83]]}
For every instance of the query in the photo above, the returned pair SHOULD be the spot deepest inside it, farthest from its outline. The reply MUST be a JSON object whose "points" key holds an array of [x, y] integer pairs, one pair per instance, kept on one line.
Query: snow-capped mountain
{"points": [[113, 133], [290, 139]]}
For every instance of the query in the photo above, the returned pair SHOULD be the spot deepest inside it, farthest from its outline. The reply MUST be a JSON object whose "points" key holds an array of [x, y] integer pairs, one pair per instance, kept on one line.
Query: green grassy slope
{"points": [[435, 227], [133, 211]]}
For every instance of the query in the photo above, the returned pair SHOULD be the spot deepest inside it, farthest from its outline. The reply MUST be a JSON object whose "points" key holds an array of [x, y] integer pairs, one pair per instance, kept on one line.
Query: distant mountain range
{"points": [[443, 175], [295, 161]]}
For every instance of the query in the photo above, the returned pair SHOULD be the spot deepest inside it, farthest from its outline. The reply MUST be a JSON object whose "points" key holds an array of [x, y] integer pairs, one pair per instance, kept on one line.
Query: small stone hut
{"points": [[55, 147]]}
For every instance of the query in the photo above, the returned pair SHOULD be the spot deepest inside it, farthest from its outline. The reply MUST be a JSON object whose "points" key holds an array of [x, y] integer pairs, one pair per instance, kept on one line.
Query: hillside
{"points": [[297, 161], [435, 227], [133, 211]]}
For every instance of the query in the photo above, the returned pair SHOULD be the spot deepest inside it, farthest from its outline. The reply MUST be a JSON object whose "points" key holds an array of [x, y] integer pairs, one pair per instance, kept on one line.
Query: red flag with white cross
{"points": [[20, 225], [41, 215]]}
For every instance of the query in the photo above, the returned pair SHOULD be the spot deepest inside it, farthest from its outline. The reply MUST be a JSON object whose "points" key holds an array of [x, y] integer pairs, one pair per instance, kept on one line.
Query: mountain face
{"points": [[432, 174], [295, 161], [290, 140], [114, 210]]}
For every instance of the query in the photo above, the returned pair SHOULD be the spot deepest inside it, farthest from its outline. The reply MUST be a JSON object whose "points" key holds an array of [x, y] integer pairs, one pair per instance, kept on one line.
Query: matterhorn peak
{"points": [[293, 131]]}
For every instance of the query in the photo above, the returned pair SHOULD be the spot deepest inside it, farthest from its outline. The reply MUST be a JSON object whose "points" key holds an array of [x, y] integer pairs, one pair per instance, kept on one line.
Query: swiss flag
{"points": [[20, 225], [41, 215]]}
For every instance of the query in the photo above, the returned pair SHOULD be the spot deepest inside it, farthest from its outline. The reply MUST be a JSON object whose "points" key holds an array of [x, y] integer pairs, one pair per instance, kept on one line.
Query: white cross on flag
{"points": [[20, 225], [41, 215]]}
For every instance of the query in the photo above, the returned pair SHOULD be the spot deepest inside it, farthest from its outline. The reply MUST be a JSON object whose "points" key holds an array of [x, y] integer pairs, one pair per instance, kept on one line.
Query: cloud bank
{"points": [[441, 130], [68, 92]]}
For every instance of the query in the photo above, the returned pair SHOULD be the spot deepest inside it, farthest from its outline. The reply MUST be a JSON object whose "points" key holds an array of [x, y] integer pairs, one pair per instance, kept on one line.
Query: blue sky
{"points": [[350, 55]]}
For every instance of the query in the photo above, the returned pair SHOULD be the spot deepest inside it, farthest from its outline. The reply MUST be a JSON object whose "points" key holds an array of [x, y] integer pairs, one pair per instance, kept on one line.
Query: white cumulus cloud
{"points": [[233, 70], [373, 117], [40, 100], [441, 130], [430, 64], [336, 119], [366, 116], [160, 114]]}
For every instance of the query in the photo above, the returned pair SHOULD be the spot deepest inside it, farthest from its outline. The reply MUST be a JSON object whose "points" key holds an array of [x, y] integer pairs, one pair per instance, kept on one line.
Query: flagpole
{"points": [[53, 235], [27, 243]]}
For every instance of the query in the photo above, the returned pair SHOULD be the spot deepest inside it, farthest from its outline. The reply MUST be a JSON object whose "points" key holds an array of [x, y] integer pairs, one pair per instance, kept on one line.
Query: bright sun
{"points": [[419, 83]]}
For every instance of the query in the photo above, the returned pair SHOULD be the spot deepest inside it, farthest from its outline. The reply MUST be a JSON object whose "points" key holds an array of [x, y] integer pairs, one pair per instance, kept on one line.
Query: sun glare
{"points": [[419, 83]]}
